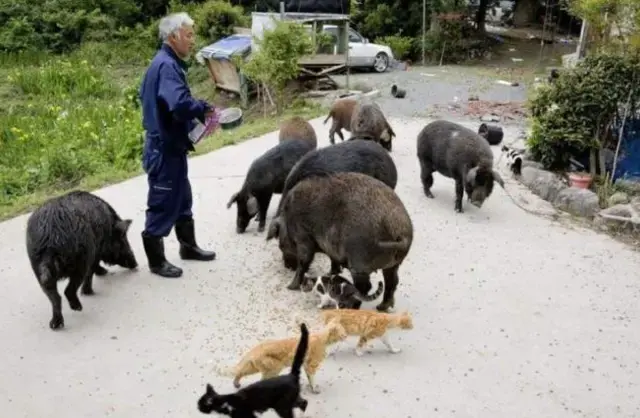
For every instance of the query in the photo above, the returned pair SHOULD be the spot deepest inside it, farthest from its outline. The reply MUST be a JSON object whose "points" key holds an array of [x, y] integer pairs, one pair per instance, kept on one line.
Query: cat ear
{"points": [[210, 390]]}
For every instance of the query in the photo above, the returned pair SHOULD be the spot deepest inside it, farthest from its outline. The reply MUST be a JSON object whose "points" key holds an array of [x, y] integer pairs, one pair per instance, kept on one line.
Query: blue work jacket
{"points": [[168, 108]]}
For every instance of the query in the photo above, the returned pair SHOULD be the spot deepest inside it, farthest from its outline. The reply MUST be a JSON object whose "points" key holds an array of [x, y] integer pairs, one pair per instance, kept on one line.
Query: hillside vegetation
{"points": [[70, 72]]}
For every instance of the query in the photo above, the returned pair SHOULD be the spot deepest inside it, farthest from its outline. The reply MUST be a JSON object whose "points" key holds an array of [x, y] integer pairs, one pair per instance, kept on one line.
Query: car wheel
{"points": [[381, 62]]}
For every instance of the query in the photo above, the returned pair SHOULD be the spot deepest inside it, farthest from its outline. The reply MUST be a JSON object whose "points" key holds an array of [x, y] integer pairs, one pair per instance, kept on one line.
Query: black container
{"points": [[231, 118], [492, 133], [397, 92]]}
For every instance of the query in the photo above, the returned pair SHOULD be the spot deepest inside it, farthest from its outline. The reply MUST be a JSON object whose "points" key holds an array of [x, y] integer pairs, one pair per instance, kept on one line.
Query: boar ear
{"points": [[233, 199], [252, 205], [274, 229], [123, 226], [471, 175], [497, 177]]}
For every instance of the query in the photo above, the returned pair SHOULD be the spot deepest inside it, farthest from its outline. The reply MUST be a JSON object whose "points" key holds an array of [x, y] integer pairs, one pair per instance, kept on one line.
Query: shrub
{"points": [[403, 47], [216, 19], [455, 36], [276, 61], [576, 112], [60, 25]]}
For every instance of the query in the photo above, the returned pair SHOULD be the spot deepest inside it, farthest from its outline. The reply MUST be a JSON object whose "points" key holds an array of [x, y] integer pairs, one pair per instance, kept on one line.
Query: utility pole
{"points": [[424, 29]]}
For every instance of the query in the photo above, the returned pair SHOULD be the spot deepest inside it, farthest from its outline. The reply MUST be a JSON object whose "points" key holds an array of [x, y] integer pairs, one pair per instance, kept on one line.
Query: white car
{"points": [[362, 53]]}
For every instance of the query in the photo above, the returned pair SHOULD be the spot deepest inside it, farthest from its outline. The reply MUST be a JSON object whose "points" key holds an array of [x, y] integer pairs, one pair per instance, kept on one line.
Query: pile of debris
{"points": [[488, 111]]}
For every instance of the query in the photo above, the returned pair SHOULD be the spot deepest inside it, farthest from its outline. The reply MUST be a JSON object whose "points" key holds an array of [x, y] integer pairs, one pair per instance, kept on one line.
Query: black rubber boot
{"points": [[189, 250], [158, 264]]}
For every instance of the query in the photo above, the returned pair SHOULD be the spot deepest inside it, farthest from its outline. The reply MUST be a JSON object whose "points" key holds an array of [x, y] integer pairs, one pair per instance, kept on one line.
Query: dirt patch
{"points": [[504, 111]]}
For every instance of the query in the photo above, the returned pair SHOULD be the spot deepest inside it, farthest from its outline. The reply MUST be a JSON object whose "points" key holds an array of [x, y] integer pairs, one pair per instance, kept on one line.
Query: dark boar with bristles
{"points": [[357, 220], [359, 156], [67, 237], [368, 122], [459, 153], [297, 128], [266, 176], [341, 112]]}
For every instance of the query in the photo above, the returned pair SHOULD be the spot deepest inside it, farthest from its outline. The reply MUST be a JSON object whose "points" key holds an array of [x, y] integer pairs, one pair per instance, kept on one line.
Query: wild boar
{"points": [[359, 156], [341, 112], [357, 220], [266, 176], [68, 236], [459, 153], [297, 128], [368, 122]]}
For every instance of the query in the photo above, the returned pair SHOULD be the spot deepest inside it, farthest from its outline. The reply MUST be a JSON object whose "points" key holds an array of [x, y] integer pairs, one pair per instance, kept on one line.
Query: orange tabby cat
{"points": [[271, 357], [368, 325]]}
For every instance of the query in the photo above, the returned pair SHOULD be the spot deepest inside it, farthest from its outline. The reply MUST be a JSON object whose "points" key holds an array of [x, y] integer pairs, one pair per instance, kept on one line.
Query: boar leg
{"points": [[426, 175], [50, 288], [332, 131], [459, 193], [390, 285], [305, 258], [339, 132], [264, 199], [71, 291], [98, 270], [87, 284]]}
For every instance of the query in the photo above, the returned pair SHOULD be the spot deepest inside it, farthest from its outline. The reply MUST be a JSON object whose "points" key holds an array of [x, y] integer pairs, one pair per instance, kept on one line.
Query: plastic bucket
{"points": [[397, 92], [492, 133]]}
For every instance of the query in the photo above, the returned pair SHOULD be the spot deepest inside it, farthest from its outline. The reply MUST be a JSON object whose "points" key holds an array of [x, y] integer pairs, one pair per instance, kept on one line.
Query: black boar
{"points": [[368, 122], [68, 236], [297, 128], [459, 153], [341, 112], [359, 156], [266, 176], [357, 220]]}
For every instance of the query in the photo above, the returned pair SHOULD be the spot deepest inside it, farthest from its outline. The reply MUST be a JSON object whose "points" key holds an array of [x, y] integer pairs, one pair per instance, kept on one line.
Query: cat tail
{"points": [[394, 245], [373, 296], [301, 351]]}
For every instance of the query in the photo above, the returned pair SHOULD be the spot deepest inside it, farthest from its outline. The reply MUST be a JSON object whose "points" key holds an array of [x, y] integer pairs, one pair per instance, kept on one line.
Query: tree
{"points": [[525, 12]]}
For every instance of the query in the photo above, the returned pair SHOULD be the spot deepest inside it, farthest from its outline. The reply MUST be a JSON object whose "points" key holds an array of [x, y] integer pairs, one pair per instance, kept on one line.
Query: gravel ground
{"points": [[441, 91], [515, 315]]}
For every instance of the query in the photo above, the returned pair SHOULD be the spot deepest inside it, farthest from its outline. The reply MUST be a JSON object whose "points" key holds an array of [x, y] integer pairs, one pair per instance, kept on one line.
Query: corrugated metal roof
{"points": [[226, 47]]}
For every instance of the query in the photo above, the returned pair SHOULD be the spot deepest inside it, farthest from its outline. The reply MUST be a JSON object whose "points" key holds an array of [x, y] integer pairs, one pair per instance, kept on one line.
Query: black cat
{"points": [[281, 393]]}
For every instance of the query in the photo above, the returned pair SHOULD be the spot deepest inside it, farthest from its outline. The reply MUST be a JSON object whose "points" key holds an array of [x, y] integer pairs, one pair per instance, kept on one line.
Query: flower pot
{"points": [[580, 180]]}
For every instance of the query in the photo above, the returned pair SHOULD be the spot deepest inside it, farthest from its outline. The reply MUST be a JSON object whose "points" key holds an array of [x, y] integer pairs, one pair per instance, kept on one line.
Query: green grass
{"points": [[68, 123]]}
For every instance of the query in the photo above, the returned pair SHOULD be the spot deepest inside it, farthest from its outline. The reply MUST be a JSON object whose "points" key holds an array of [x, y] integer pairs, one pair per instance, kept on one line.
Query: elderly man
{"points": [[168, 114]]}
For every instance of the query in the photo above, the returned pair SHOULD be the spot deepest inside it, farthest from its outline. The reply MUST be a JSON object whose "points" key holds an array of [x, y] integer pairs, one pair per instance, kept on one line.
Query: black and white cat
{"points": [[514, 159], [336, 291]]}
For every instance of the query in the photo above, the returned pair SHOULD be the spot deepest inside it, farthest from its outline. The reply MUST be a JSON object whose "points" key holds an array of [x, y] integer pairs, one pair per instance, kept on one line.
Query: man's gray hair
{"points": [[172, 23]]}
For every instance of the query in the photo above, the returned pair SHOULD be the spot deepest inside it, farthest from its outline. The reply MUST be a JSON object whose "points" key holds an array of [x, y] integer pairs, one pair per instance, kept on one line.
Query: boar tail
{"points": [[329, 116], [394, 245]]}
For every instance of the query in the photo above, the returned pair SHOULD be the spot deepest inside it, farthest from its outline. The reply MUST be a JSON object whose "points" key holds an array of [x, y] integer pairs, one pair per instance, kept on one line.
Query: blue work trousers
{"points": [[169, 198]]}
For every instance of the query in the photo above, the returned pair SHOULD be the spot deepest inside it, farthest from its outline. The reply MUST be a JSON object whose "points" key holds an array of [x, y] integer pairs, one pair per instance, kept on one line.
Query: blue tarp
{"points": [[226, 47], [628, 166]]}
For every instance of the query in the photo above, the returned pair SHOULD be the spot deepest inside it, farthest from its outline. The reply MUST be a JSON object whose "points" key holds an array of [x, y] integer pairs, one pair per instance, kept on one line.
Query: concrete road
{"points": [[515, 315]]}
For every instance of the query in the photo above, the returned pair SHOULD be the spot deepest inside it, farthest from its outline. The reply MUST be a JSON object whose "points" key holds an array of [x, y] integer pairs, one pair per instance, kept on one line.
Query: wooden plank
{"points": [[323, 59]]}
